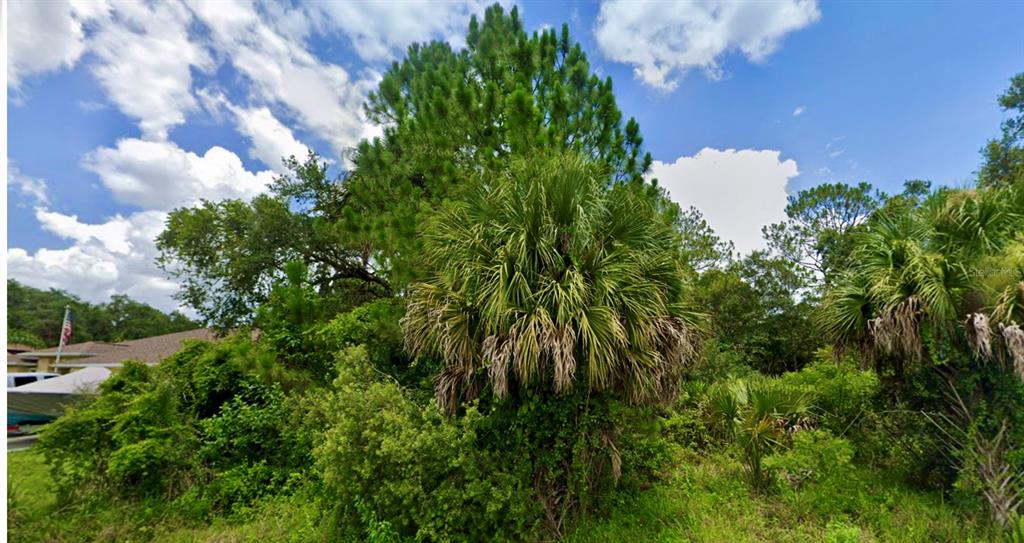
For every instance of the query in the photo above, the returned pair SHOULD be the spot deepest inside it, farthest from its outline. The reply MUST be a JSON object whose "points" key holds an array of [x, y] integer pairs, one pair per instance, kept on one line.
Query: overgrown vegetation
{"points": [[509, 334]]}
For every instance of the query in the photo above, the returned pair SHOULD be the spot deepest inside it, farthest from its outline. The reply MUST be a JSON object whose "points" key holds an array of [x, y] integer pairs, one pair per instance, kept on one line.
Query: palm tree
{"points": [[918, 267], [760, 414], [547, 277], [954, 266]]}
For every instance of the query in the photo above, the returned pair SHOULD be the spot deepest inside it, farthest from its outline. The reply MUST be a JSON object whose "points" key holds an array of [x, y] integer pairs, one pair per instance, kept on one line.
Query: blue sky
{"points": [[119, 113]]}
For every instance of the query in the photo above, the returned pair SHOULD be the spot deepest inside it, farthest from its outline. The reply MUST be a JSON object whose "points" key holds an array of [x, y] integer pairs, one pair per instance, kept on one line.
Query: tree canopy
{"points": [[1004, 156], [447, 116], [35, 316], [544, 278]]}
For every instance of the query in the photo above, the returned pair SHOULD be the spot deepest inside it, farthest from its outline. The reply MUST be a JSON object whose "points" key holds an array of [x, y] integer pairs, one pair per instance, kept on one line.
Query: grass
{"points": [[706, 500], [709, 501], [34, 516]]}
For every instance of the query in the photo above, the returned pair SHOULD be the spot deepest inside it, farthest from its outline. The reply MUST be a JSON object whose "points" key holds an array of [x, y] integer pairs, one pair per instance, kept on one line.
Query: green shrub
{"points": [[815, 455], [376, 326], [840, 393], [203, 427], [386, 459], [759, 414]]}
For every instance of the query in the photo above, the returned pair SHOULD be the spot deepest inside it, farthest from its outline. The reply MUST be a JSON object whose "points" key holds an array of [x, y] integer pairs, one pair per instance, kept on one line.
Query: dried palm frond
{"points": [[1013, 340], [979, 334], [969, 449], [897, 331]]}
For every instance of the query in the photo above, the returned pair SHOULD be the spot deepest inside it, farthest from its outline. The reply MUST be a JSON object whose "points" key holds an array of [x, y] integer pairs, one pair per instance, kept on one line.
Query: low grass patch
{"points": [[708, 501]]}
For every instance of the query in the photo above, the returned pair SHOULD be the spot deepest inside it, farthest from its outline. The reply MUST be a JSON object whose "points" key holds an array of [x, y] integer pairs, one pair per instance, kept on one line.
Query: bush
{"points": [[376, 326], [759, 414], [386, 459], [201, 426], [816, 455], [840, 393]]}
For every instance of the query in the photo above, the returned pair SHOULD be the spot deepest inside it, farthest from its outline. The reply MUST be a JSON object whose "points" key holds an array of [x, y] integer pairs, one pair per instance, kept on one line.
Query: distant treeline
{"points": [[34, 317]]}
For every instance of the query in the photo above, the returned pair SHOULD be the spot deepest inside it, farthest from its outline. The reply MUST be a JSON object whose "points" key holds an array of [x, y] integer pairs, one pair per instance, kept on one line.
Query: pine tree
{"points": [[450, 115]]}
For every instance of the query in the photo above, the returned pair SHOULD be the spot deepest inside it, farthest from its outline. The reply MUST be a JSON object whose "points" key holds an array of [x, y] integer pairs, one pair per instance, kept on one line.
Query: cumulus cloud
{"points": [[113, 257], [43, 36], [112, 235], [31, 187], [737, 191], [161, 176], [799, 111], [665, 39], [144, 59], [323, 97], [271, 140]]}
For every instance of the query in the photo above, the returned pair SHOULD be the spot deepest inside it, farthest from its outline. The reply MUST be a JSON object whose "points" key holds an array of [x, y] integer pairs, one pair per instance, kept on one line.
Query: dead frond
{"points": [[1013, 340], [897, 331], [979, 335]]}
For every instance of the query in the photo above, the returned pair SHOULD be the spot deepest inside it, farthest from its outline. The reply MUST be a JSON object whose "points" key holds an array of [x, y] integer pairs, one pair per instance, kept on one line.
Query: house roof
{"points": [[149, 350], [75, 350]]}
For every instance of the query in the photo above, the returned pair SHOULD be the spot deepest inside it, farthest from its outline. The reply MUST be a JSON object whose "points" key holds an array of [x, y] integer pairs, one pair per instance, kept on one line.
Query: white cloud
{"points": [[160, 175], [799, 111], [737, 191], [833, 149], [114, 257], [271, 140], [144, 60], [43, 36], [323, 97], [665, 39], [113, 234], [381, 30], [32, 187]]}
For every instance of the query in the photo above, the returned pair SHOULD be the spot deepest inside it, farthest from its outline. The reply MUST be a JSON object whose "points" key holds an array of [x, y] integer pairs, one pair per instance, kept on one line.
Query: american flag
{"points": [[65, 330]]}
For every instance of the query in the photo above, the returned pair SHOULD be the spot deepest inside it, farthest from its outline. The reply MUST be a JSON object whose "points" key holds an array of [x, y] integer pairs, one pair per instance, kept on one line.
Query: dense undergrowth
{"points": [[703, 499], [363, 458]]}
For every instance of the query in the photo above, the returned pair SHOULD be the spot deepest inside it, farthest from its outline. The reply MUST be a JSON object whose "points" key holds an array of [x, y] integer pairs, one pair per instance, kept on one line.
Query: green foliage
{"points": [[702, 248], [840, 393], [760, 414], [815, 456], [34, 317], [448, 115], [230, 255], [199, 428], [754, 314], [1004, 157], [384, 456], [545, 279], [25, 338], [816, 235], [376, 325]]}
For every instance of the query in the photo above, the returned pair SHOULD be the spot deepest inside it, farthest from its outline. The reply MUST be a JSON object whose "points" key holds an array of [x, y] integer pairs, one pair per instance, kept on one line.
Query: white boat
{"points": [[47, 398]]}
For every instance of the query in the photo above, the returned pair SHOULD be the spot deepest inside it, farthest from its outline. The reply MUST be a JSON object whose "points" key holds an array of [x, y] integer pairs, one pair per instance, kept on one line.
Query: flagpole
{"points": [[63, 323]]}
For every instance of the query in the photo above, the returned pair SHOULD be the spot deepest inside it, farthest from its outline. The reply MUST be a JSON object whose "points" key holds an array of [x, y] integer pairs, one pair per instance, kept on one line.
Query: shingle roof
{"points": [[149, 350], [76, 350]]}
